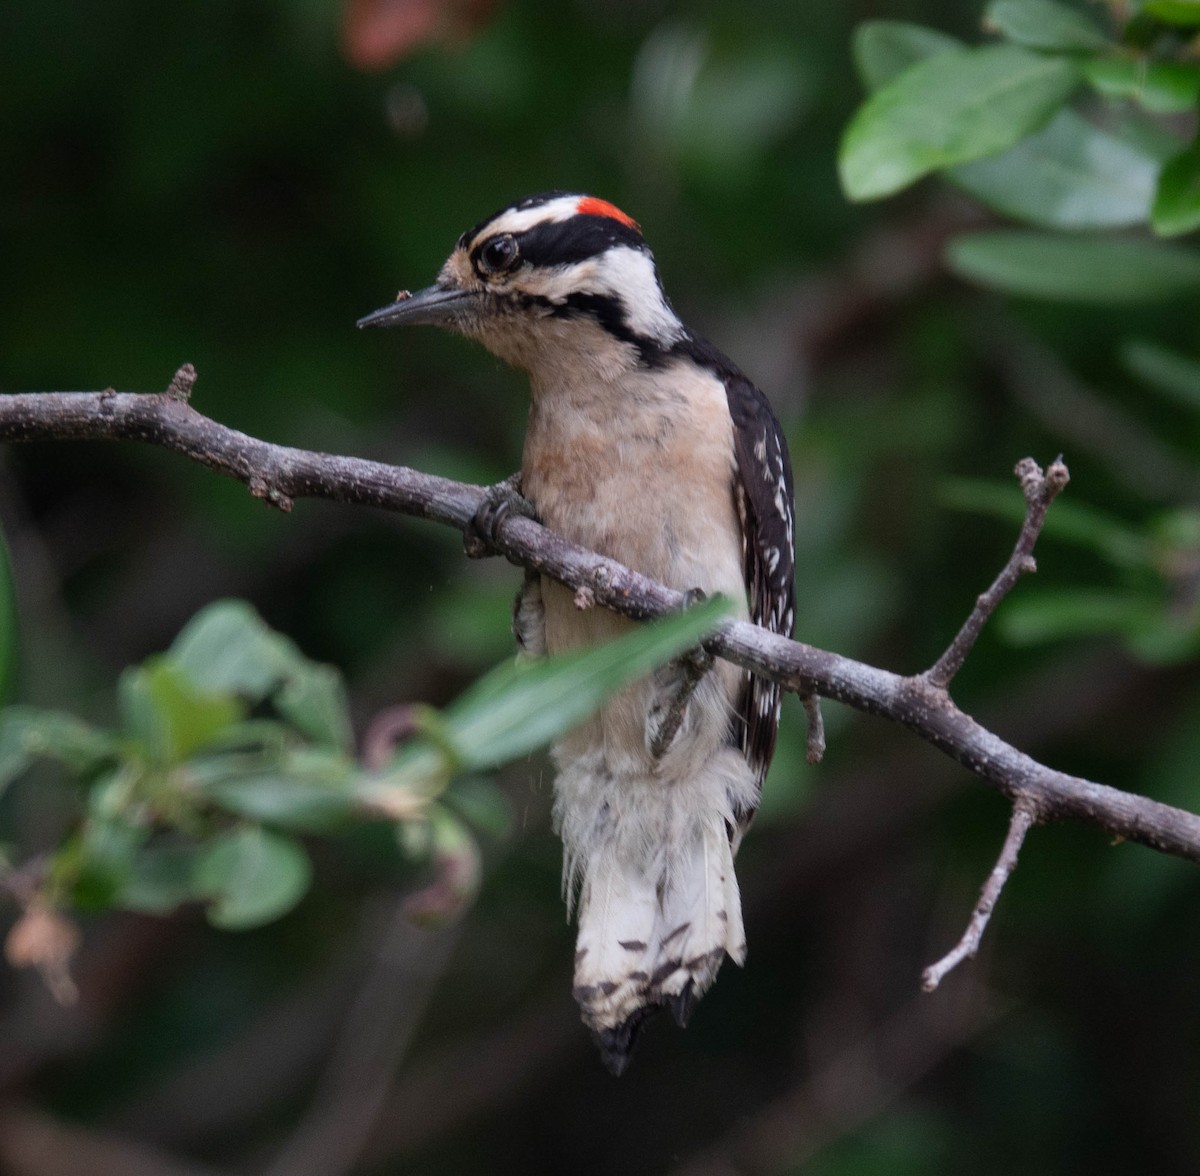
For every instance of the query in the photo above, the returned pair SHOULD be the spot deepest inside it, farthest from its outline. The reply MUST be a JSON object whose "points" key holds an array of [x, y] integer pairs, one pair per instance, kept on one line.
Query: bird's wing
{"points": [[764, 494]]}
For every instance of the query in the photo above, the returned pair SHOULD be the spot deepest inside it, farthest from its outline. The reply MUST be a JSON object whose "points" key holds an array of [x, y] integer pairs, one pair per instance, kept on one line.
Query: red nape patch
{"points": [[594, 206]]}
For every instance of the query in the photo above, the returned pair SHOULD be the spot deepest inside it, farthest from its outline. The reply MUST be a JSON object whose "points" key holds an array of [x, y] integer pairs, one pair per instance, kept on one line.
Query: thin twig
{"points": [[280, 474], [1040, 490], [1023, 817]]}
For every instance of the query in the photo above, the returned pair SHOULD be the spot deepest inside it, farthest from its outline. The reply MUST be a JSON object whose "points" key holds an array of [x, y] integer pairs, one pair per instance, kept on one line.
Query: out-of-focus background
{"points": [[233, 184]]}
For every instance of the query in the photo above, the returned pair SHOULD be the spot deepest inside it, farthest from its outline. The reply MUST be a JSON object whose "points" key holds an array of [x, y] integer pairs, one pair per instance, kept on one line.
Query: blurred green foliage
{"points": [[216, 183], [232, 737]]}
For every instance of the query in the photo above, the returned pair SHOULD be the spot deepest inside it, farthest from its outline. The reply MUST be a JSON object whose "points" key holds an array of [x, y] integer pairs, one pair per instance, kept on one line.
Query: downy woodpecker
{"points": [[647, 445]]}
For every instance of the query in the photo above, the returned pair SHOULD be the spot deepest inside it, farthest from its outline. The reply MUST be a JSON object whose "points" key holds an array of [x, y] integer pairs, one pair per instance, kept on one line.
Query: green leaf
{"points": [[1043, 24], [313, 698], [957, 106], [483, 804], [1051, 615], [523, 705], [1096, 270], [308, 797], [27, 735], [252, 876], [168, 715], [1069, 175], [1177, 202], [1176, 12], [1164, 87], [884, 49], [286, 802], [161, 878], [1178, 376], [227, 648], [91, 869]]}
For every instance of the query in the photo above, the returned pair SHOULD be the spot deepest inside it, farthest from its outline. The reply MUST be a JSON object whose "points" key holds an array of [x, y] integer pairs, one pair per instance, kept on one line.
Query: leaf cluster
{"points": [[232, 744], [1073, 130]]}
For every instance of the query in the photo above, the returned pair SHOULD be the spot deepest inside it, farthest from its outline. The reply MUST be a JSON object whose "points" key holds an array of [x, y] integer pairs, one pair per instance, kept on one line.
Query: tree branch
{"points": [[279, 475]]}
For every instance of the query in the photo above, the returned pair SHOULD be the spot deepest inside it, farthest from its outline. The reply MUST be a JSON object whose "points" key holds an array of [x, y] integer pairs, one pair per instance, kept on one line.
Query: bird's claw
{"points": [[499, 502], [693, 665]]}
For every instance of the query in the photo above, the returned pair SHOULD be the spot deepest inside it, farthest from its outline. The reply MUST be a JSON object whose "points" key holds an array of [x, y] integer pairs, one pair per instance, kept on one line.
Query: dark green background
{"points": [[214, 183]]}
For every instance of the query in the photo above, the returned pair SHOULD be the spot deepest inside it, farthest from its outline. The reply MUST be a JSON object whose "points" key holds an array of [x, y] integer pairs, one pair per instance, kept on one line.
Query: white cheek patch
{"points": [[629, 275], [557, 283], [621, 272]]}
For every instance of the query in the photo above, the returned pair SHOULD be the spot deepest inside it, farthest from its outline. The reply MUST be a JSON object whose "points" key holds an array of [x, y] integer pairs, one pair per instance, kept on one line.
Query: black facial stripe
{"points": [[575, 239], [609, 312], [604, 310]]}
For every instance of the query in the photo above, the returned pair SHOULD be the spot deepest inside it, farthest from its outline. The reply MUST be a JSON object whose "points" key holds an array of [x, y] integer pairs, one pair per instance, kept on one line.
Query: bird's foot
{"points": [[499, 502], [665, 721]]}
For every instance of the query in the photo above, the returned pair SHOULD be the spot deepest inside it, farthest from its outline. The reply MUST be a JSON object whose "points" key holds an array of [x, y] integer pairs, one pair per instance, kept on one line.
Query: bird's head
{"points": [[555, 279]]}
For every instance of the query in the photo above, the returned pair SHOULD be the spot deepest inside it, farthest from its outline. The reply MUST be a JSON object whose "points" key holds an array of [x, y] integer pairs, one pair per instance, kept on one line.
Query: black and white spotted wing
{"points": [[765, 495]]}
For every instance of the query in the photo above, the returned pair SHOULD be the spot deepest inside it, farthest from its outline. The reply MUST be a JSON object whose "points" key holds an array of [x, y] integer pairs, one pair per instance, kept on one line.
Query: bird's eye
{"points": [[499, 255]]}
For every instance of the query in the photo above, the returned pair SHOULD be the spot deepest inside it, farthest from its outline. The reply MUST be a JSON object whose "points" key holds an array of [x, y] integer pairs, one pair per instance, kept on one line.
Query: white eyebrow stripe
{"points": [[517, 220]]}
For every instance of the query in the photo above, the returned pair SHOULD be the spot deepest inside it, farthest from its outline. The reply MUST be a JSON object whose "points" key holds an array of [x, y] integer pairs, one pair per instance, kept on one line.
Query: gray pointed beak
{"points": [[435, 306]]}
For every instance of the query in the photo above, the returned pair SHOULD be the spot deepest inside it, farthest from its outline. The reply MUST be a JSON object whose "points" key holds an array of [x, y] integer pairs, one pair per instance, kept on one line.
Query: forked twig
{"points": [[1040, 490]]}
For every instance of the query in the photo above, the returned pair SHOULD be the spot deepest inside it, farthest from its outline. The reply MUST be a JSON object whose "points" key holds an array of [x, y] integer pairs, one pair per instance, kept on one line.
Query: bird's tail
{"points": [[659, 907]]}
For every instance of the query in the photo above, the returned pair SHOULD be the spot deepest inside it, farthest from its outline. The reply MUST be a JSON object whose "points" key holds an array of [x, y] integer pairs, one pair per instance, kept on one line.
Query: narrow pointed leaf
{"points": [[526, 704], [1072, 522], [1049, 615], [523, 705]]}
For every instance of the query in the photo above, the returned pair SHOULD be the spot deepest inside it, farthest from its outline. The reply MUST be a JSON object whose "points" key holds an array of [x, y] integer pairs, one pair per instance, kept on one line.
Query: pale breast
{"points": [[642, 471]]}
